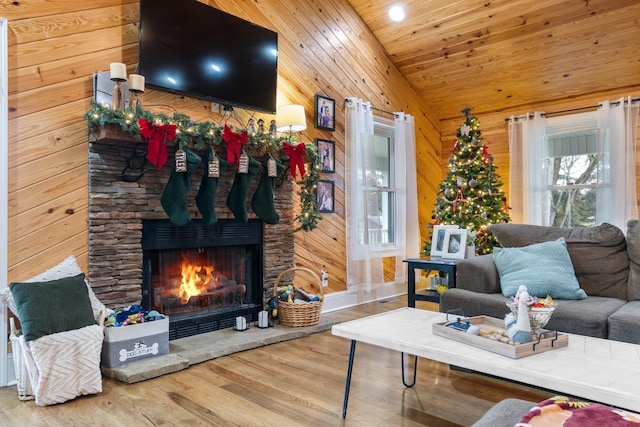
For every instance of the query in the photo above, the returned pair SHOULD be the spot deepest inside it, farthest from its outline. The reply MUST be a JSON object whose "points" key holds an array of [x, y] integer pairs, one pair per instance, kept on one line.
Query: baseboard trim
{"points": [[345, 299]]}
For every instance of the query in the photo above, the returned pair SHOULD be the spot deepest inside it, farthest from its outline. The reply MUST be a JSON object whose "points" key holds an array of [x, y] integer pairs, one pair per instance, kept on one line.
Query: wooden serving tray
{"points": [[548, 341]]}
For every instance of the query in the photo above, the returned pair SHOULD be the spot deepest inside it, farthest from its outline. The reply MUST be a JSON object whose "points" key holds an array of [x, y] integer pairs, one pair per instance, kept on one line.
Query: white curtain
{"points": [[364, 262], [528, 169], [617, 138], [365, 269], [407, 231]]}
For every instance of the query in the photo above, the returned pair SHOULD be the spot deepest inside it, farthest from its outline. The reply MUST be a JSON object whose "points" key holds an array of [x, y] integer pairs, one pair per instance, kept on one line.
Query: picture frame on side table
{"points": [[455, 243], [325, 112], [437, 239], [325, 196], [327, 154]]}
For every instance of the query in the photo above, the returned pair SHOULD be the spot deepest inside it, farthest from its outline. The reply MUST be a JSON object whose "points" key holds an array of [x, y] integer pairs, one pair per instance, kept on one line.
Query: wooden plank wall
{"points": [[56, 46], [496, 131]]}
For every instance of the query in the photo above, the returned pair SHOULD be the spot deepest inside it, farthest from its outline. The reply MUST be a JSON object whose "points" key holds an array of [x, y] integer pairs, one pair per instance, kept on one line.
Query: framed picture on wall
{"points": [[325, 110], [437, 238], [455, 242], [324, 196], [327, 153]]}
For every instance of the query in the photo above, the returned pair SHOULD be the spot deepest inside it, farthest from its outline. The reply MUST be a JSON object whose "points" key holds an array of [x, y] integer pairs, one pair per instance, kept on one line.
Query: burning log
{"points": [[229, 295], [215, 298]]}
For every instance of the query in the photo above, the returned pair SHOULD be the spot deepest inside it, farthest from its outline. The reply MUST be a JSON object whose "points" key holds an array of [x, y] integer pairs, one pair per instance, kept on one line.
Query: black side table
{"points": [[447, 266]]}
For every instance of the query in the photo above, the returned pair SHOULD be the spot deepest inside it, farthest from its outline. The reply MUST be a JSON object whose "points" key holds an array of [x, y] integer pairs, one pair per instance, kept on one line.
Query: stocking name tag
{"points": [[181, 161], [243, 163], [272, 169], [214, 167]]}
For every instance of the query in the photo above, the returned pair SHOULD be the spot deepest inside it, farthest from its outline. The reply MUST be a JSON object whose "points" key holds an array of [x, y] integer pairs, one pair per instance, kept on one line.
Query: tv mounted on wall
{"points": [[190, 48]]}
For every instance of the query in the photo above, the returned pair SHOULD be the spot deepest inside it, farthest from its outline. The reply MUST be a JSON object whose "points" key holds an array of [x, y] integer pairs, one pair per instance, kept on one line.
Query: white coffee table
{"points": [[596, 369]]}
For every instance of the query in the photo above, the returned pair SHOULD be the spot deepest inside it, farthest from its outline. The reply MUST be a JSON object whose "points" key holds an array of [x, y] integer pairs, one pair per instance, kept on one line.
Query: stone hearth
{"points": [[118, 203], [184, 352]]}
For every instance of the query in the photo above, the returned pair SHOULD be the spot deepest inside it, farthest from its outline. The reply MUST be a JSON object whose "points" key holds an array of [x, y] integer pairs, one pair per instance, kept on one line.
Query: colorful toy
{"points": [[272, 306], [286, 293], [307, 296]]}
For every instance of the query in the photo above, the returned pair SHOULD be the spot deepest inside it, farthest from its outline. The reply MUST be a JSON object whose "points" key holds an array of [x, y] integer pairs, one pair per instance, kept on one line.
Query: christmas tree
{"points": [[470, 195]]}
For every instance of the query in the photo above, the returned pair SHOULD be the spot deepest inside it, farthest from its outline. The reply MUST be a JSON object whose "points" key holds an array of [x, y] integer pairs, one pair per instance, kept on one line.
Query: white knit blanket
{"points": [[64, 365]]}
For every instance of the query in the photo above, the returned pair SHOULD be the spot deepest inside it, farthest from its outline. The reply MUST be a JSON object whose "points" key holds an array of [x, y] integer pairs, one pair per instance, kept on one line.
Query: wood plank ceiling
{"points": [[499, 55]]}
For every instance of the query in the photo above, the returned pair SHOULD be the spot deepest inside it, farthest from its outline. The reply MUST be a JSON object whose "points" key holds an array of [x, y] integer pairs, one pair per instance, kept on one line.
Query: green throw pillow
{"points": [[545, 268], [45, 308]]}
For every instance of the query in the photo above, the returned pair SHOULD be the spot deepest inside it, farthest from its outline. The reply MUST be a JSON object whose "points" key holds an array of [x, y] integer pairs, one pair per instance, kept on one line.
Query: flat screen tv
{"points": [[193, 49]]}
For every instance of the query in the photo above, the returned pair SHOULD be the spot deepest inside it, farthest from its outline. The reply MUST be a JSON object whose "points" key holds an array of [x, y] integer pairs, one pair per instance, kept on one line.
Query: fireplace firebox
{"points": [[202, 277]]}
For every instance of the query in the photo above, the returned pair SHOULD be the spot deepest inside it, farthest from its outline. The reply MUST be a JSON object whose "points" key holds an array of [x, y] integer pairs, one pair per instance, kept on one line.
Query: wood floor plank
{"points": [[293, 383]]}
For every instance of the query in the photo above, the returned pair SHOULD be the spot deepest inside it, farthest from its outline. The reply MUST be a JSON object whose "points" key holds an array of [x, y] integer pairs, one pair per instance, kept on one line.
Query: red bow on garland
{"points": [[296, 154], [157, 135], [235, 142]]}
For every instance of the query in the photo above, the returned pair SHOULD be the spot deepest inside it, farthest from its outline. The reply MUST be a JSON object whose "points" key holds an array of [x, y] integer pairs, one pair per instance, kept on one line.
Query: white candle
{"points": [[136, 82], [118, 71], [263, 321], [241, 323]]}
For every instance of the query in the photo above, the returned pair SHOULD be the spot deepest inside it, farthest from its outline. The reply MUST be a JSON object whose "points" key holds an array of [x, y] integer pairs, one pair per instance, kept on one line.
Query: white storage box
{"points": [[126, 344]]}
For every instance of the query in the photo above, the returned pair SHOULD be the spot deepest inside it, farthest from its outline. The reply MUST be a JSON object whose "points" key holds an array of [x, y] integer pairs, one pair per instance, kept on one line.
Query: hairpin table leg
{"points": [[348, 384], [415, 369]]}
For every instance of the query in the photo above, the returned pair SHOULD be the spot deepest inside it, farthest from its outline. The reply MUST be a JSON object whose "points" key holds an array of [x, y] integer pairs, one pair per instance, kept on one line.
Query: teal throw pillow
{"points": [[46, 308], [544, 268]]}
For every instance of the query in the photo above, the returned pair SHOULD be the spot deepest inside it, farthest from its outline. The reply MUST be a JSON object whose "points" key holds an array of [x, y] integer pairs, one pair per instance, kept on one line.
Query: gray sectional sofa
{"points": [[606, 264], [506, 413]]}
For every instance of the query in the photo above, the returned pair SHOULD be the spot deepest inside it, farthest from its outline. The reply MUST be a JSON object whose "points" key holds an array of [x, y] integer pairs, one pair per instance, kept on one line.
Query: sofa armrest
{"points": [[478, 274]]}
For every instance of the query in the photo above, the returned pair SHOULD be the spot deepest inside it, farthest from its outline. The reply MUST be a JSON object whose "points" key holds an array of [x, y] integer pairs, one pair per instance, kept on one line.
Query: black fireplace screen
{"points": [[202, 278]]}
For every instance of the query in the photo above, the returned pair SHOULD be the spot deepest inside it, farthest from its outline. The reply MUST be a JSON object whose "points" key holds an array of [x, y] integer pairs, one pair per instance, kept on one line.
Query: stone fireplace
{"points": [[127, 257]]}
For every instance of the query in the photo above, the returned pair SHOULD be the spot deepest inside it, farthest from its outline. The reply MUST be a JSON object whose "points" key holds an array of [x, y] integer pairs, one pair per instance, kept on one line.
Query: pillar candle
{"points": [[136, 82], [263, 319], [118, 71], [241, 323]]}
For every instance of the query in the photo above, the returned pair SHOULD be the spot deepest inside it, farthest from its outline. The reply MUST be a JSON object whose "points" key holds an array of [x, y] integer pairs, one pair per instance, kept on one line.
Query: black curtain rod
{"points": [[383, 111], [377, 109], [570, 110]]}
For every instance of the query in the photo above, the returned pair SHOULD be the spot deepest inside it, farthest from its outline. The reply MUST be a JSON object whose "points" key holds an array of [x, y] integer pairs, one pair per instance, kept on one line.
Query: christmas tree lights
{"points": [[470, 196]]}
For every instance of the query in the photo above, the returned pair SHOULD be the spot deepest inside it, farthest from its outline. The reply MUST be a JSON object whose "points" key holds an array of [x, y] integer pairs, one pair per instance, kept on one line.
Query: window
{"points": [[578, 169], [379, 189], [381, 212], [573, 169]]}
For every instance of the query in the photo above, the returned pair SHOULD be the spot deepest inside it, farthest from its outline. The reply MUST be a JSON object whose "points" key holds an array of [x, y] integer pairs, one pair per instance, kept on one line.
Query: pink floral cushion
{"points": [[562, 411]]}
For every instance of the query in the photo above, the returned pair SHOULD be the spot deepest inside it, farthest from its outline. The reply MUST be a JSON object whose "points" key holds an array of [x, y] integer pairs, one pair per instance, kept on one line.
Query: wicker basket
{"points": [[299, 314]]}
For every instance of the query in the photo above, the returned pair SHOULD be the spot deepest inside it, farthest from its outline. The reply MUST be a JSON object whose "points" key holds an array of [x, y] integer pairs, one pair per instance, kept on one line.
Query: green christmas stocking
{"points": [[237, 199], [174, 196], [207, 192], [262, 200]]}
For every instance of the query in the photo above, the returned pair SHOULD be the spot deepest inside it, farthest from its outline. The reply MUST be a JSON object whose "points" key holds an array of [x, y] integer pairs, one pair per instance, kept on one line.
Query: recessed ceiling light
{"points": [[396, 13]]}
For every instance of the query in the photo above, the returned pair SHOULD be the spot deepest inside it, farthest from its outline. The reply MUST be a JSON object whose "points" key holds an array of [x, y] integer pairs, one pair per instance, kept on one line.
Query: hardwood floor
{"points": [[293, 383]]}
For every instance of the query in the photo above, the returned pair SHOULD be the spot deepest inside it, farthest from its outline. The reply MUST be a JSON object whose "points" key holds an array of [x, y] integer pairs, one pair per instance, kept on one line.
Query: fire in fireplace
{"points": [[202, 277]]}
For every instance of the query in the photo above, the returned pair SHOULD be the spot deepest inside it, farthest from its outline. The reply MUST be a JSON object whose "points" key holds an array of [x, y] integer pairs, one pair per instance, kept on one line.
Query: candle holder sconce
{"points": [[136, 89], [135, 98], [118, 73]]}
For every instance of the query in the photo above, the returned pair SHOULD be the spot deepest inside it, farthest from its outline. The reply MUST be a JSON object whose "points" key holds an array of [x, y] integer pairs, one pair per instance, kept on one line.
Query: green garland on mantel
{"points": [[203, 135]]}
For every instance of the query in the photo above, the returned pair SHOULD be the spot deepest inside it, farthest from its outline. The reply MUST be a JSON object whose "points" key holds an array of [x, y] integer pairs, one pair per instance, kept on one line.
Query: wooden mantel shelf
{"points": [[112, 133]]}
